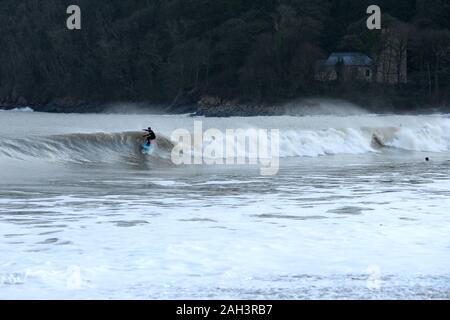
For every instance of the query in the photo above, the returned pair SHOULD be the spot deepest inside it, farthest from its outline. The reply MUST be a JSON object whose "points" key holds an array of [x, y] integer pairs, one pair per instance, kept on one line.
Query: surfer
{"points": [[150, 136], [376, 142]]}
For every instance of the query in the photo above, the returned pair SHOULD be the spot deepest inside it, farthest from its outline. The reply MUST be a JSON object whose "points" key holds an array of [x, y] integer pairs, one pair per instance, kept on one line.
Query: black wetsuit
{"points": [[150, 136]]}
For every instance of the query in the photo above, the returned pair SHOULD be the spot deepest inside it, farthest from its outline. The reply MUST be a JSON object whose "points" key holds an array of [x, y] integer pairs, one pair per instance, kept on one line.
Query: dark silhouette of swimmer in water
{"points": [[427, 159]]}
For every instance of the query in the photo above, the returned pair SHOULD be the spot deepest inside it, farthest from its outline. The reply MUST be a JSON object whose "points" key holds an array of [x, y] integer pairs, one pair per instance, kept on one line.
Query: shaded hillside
{"points": [[174, 52]]}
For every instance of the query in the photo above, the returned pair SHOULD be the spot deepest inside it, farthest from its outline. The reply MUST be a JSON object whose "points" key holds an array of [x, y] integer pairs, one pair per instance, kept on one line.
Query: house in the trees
{"points": [[346, 67], [390, 66]]}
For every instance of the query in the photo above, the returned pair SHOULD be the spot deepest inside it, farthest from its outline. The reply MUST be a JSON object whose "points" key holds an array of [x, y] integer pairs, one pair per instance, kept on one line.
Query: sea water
{"points": [[84, 215]]}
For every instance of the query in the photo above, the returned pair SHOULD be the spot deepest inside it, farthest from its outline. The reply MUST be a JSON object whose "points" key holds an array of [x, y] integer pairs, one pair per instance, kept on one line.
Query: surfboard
{"points": [[147, 148]]}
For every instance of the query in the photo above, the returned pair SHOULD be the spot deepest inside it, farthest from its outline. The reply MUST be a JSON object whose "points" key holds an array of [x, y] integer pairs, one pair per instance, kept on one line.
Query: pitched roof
{"points": [[349, 59]]}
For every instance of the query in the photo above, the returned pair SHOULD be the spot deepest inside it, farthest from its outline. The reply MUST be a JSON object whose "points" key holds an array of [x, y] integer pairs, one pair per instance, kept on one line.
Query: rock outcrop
{"points": [[216, 107]]}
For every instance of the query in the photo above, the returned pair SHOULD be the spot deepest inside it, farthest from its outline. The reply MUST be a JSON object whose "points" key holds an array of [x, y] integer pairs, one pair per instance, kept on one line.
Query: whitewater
{"points": [[355, 211]]}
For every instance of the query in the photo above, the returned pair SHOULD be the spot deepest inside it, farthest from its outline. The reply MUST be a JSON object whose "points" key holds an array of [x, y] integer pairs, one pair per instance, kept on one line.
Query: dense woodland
{"points": [[176, 51]]}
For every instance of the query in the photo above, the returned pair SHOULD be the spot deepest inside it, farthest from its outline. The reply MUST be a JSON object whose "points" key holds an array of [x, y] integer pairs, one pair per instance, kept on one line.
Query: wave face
{"points": [[84, 148], [417, 135], [428, 138], [105, 147]]}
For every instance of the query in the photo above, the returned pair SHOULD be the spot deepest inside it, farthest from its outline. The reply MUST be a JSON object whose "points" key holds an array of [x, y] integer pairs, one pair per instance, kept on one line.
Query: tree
{"points": [[433, 55]]}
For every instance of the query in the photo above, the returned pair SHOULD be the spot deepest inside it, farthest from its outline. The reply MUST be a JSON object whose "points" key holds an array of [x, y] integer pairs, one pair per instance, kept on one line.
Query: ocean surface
{"points": [[355, 211]]}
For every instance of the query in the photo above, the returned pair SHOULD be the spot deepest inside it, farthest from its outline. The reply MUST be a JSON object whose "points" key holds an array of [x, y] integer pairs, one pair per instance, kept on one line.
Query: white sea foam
{"points": [[117, 147], [344, 218], [21, 109]]}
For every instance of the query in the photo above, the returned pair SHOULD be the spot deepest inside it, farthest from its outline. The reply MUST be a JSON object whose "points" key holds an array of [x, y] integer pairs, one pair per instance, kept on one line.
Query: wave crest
{"points": [[125, 146], [84, 147]]}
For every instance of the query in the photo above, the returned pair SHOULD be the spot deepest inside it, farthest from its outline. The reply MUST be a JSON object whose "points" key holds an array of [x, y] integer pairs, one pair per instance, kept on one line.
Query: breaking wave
{"points": [[20, 109], [85, 148], [429, 138], [125, 146]]}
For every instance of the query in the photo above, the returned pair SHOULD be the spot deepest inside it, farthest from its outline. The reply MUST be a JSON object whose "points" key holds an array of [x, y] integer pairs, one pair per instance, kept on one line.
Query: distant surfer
{"points": [[376, 142], [150, 136]]}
